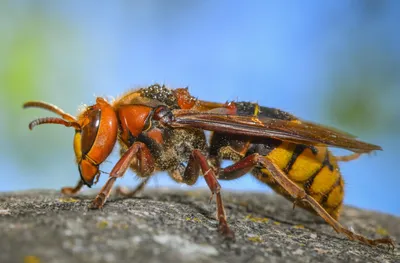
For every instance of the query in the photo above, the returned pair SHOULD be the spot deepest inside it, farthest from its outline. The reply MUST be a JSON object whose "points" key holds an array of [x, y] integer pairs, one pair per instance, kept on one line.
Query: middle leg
{"points": [[196, 162]]}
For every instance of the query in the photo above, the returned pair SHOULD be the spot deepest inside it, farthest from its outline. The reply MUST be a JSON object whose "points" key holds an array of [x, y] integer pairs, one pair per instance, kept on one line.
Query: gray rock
{"points": [[175, 226]]}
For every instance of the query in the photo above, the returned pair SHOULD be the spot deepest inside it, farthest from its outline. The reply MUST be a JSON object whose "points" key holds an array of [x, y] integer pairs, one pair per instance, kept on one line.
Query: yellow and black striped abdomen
{"points": [[314, 169]]}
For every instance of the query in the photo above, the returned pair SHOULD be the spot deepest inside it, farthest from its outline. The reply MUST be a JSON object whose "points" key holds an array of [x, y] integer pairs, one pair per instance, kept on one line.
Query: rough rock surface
{"points": [[177, 226]]}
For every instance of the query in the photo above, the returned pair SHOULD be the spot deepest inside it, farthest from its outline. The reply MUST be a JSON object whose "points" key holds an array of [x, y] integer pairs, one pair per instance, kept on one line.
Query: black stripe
{"points": [[313, 149], [131, 139], [299, 149], [327, 161], [325, 196], [263, 147], [310, 180], [336, 206]]}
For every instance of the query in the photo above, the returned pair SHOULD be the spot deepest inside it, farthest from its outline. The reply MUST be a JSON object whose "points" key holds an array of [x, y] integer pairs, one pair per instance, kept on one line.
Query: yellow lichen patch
{"points": [[381, 231], [68, 200], [243, 203], [193, 219], [306, 165], [193, 193], [102, 224], [277, 223], [120, 226], [124, 226], [31, 259], [298, 226], [257, 219], [256, 239], [324, 180]]}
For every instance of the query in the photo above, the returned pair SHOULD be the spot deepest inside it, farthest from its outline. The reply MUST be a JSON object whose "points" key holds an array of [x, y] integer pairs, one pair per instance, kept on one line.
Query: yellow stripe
{"points": [[317, 197], [335, 197], [281, 155], [306, 164], [324, 180]]}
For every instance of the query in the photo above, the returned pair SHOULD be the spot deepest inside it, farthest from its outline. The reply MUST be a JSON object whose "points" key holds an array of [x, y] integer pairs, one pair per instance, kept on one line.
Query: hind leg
{"points": [[246, 164]]}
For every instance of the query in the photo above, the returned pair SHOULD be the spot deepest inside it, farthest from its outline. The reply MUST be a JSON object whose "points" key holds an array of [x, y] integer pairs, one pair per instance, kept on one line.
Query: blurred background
{"points": [[336, 63]]}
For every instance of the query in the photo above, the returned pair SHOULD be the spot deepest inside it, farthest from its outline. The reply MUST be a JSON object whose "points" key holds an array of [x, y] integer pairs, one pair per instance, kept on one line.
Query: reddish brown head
{"points": [[95, 134]]}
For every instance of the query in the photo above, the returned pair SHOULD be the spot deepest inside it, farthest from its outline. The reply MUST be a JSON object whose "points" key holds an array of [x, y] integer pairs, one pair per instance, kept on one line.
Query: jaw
{"points": [[88, 172]]}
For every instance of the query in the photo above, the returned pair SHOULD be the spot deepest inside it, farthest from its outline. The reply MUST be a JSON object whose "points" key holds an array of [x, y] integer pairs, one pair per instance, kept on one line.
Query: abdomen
{"points": [[314, 169]]}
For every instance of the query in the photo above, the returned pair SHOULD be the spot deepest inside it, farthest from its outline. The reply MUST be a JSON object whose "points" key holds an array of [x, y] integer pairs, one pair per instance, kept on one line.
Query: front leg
{"points": [[118, 171], [72, 190]]}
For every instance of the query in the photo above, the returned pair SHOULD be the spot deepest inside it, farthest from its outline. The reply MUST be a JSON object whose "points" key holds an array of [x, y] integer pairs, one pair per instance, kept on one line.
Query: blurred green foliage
{"points": [[25, 62], [365, 101], [364, 83], [26, 72], [22, 69]]}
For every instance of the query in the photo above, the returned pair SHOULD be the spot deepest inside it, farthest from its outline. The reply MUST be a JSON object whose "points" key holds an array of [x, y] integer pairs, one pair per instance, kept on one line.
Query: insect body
{"points": [[161, 129]]}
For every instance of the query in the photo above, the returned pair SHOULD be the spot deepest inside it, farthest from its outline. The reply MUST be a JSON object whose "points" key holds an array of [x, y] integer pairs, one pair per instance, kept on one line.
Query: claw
{"points": [[297, 200], [97, 178], [211, 198], [98, 202], [67, 191], [226, 231]]}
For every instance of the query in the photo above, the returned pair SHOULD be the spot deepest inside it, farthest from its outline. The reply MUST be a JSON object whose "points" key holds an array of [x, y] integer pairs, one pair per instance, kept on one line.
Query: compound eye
{"points": [[90, 130]]}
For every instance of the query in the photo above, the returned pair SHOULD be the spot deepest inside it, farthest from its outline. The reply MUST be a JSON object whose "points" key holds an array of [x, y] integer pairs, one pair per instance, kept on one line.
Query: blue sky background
{"points": [[331, 62]]}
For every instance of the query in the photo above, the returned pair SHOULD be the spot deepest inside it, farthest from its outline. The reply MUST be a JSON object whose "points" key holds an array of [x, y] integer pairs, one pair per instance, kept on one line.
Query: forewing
{"points": [[296, 131]]}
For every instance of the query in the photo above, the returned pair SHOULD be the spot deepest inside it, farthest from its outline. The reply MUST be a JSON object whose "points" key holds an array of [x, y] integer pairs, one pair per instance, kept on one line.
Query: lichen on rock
{"points": [[177, 226]]}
